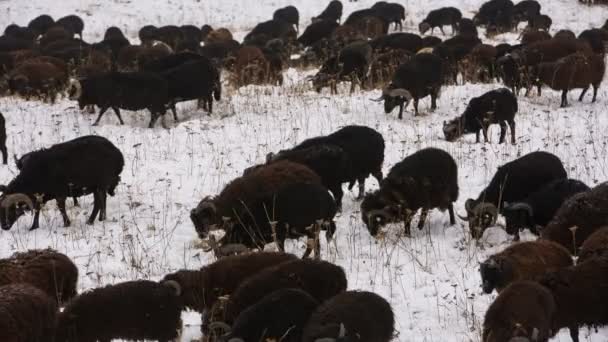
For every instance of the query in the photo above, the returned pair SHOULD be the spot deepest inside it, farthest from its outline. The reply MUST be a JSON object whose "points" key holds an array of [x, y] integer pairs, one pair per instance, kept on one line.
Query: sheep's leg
{"points": [[423, 215], [4, 154], [378, 175], [91, 219], [64, 215], [102, 199], [210, 104], [516, 237], [477, 137], [415, 107], [407, 222], [434, 100], [503, 132], [451, 212], [595, 88], [154, 117], [512, 127], [36, 223], [117, 112], [173, 110], [336, 190], [361, 188], [102, 111], [574, 333], [75, 200], [564, 98], [484, 130], [441, 29], [400, 111], [580, 98]]}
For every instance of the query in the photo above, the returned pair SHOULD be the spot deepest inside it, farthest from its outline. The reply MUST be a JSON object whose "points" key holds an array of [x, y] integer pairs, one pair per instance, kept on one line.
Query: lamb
{"points": [[522, 261], [321, 279], [596, 245], [494, 107], [424, 180], [351, 316], [26, 314], [513, 181], [535, 211], [578, 217], [201, 289], [133, 310], [439, 18], [281, 315], [579, 295], [523, 312], [3, 140], [48, 270]]}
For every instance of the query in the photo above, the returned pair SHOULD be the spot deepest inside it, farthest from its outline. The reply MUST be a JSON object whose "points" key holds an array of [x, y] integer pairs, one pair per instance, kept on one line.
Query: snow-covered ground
{"points": [[431, 279]]}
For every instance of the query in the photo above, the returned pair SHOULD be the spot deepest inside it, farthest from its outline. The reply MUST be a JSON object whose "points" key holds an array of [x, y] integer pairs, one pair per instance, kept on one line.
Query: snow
{"points": [[431, 279]]}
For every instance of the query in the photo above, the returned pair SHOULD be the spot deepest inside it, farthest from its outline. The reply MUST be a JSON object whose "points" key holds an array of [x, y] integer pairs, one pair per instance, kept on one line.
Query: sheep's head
{"points": [[453, 129], [205, 217], [518, 216], [480, 216], [394, 97], [190, 287], [12, 206], [424, 27], [378, 210], [491, 272]]}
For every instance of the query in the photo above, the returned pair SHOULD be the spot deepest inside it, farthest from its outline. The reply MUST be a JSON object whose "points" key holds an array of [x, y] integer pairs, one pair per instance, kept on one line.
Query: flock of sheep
{"points": [[247, 295]]}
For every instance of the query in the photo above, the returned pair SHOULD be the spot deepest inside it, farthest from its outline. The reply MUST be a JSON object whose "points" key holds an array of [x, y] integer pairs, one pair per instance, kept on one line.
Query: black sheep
{"points": [[597, 38], [494, 107], [3, 140], [352, 316], [513, 181], [85, 165], [439, 18], [289, 15], [540, 22], [352, 63], [321, 279], [536, 210], [281, 315], [129, 90], [491, 11], [333, 12], [391, 12], [596, 245], [73, 23], [148, 34], [424, 180], [269, 30], [524, 10], [466, 27], [317, 31], [409, 42], [170, 35], [421, 76], [133, 310], [41, 23]]}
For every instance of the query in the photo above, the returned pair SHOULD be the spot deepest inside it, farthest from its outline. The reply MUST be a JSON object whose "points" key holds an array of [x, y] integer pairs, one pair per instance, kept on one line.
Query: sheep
{"points": [[384, 65], [430, 41], [452, 52], [579, 295], [596, 245], [48, 270], [26, 314], [133, 310], [321, 279], [495, 14], [523, 312], [219, 35], [408, 42], [390, 12], [421, 76], [280, 315], [522, 261], [439, 18], [424, 180], [42, 79], [351, 316], [551, 50], [578, 217], [73, 23], [496, 106], [41, 23], [479, 64], [317, 31], [271, 29], [467, 28], [597, 38], [148, 34], [288, 14], [170, 35], [3, 140], [540, 22], [513, 181], [354, 152], [352, 63], [54, 34], [574, 71], [333, 12], [192, 33], [564, 34], [536, 210], [524, 10], [531, 36]]}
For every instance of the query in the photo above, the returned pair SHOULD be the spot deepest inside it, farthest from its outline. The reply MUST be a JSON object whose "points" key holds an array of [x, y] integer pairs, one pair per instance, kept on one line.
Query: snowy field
{"points": [[431, 279]]}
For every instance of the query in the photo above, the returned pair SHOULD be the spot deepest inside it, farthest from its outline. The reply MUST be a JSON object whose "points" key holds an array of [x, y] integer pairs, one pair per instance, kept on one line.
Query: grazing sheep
{"points": [[523, 312], [494, 107], [424, 180], [333, 12], [352, 63], [522, 261], [133, 310], [3, 140], [441, 17], [26, 314], [513, 181], [50, 271], [596, 245], [202, 288], [317, 31], [321, 279], [580, 295], [479, 65], [405, 42], [279, 316], [37, 79], [496, 14], [578, 217], [289, 15], [536, 210], [390, 12], [351, 316]]}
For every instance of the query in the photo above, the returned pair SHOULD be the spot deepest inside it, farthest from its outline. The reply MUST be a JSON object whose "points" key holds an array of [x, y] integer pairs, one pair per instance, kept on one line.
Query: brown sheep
{"points": [[580, 294], [202, 288], [131, 57], [595, 245], [244, 192], [26, 314], [321, 279], [55, 33], [522, 261], [553, 49], [481, 63], [37, 79], [384, 66], [218, 36], [523, 310], [532, 36], [59, 63], [50, 271], [578, 217], [574, 71], [564, 34], [251, 66]]}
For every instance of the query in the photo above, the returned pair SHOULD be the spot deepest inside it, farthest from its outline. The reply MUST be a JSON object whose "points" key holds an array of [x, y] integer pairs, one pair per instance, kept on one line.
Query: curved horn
{"points": [[400, 92], [487, 208], [381, 98], [76, 84], [232, 249], [236, 339], [464, 218], [225, 328], [13, 199], [521, 206], [175, 285]]}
